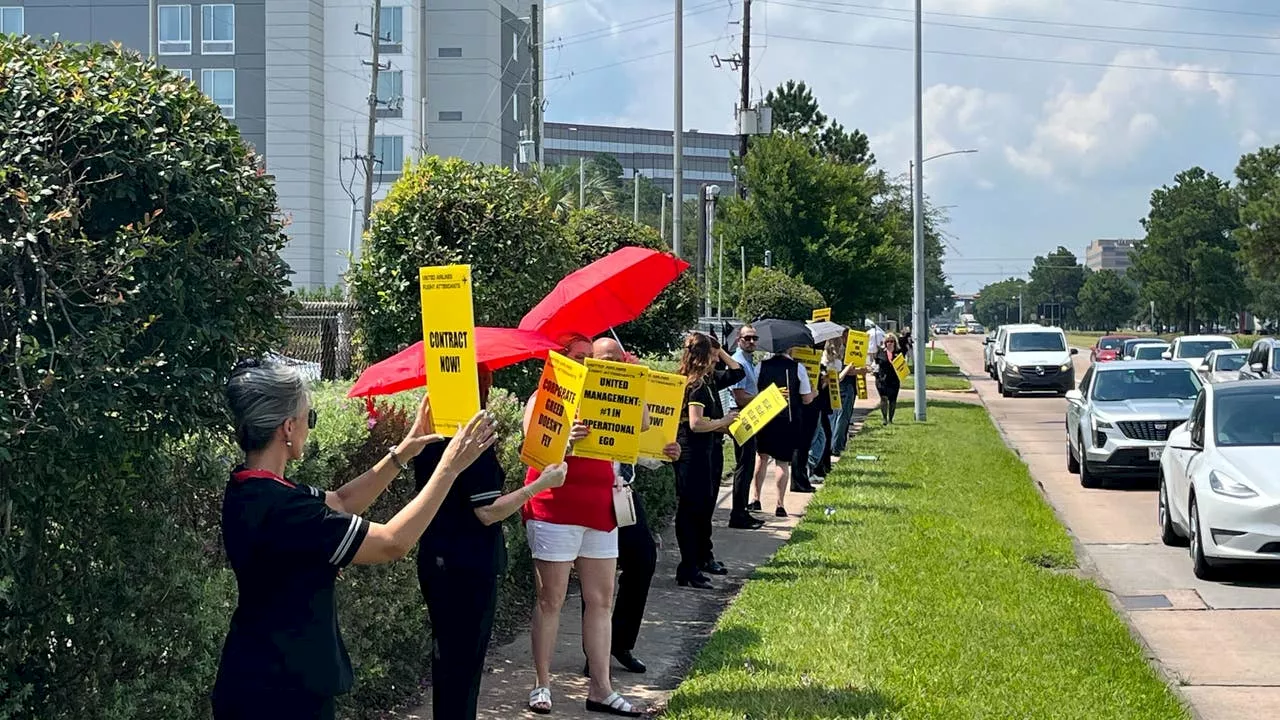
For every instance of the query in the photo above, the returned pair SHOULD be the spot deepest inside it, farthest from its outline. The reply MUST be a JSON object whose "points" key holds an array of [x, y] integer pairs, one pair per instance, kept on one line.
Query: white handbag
{"points": [[624, 504]]}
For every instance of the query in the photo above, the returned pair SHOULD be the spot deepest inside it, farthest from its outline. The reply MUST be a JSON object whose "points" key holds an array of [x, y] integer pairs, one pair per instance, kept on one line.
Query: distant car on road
{"points": [[1263, 360], [1223, 365], [1121, 415], [1034, 358], [961, 329], [976, 328], [1150, 351], [1191, 349], [1219, 490], [1108, 348], [1131, 346]]}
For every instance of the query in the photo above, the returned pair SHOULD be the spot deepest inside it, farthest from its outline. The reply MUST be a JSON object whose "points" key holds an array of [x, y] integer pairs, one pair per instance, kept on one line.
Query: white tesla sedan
{"points": [[1219, 489]]}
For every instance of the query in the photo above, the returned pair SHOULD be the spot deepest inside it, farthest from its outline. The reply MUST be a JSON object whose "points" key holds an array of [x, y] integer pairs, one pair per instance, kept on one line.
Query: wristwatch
{"points": [[396, 458]]}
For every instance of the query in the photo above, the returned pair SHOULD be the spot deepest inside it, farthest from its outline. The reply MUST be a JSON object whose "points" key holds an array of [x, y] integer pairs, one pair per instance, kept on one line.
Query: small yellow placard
{"points": [[855, 351], [763, 408], [812, 360], [860, 383], [449, 345], [664, 394], [822, 314], [833, 387], [613, 406], [554, 407], [900, 366]]}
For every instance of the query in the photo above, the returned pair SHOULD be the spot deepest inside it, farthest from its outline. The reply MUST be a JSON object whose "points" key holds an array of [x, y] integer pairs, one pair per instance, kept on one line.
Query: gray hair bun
{"points": [[262, 395]]}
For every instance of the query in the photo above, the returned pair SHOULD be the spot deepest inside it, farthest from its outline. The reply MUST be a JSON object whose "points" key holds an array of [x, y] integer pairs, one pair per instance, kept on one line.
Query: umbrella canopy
{"points": [[609, 292], [496, 348], [777, 336], [824, 330]]}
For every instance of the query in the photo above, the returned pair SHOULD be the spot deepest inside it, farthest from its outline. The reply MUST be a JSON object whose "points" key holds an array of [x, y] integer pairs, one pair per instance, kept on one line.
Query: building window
{"points": [[220, 86], [390, 93], [173, 23], [450, 116], [388, 154], [217, 29], [450, 52], [391, 28], [184, 73], [12, 21]]}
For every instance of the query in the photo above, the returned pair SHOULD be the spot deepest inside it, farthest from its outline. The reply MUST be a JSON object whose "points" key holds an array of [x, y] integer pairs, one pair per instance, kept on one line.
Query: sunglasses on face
{"points": [[749, 338], [312, 418]]}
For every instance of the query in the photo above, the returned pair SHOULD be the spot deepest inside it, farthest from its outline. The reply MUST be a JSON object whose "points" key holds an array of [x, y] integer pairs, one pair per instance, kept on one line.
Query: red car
{"points": [[1108, 348]]}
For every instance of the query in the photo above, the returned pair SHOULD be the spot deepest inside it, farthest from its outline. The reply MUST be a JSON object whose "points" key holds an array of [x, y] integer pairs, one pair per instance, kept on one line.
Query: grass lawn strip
{"points": [[927, 584], [953, 383]]}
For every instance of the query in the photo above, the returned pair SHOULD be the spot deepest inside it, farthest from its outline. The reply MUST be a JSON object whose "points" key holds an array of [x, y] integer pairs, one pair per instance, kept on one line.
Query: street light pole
{"points": [[921, 316]]}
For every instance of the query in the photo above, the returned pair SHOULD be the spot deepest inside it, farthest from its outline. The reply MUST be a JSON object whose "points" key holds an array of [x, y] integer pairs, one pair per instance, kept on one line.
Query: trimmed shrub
{"points": [[592, 235], [444, 212], [140, 251], [775, 294]]}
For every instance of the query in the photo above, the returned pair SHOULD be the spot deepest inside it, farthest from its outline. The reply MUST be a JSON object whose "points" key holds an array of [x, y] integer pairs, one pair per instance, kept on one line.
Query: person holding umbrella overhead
{"points": [[777, 440]]}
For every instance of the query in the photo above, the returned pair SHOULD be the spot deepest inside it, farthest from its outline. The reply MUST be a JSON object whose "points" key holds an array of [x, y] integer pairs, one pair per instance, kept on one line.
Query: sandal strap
{"points": [[540, 695], [617, 702]]}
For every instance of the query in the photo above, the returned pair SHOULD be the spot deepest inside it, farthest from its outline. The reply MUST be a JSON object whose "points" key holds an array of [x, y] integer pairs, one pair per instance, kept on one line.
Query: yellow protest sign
{"points": [[822, 314], [664, 394], [900, 366], [763, 408], [554, 408], [833, 387], [855, 350], [613, 406], [449, 345], [812, 360], [860, 383]]}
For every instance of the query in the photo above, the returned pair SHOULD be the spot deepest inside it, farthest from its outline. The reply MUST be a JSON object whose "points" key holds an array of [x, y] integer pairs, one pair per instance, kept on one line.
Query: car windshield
{"points": [[1149, 352], [1275, 358], [1146, 384], [1200, 348], [1131, 346], [1110, 343], [1227, 362], [1036, 342], [1247, 418]]}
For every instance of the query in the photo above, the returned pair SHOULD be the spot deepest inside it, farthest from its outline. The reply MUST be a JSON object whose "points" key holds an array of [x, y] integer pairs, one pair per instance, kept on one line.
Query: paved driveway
{"points": [[1219, 641]]}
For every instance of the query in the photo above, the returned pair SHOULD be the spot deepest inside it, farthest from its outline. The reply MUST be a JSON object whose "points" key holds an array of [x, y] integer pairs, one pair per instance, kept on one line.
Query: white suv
{"points": [[1192, 349], [991, 344], [1035, 358]]}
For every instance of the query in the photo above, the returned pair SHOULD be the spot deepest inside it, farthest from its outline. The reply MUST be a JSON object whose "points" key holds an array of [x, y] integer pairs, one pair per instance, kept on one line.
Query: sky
{"points": [[1078, 110]]}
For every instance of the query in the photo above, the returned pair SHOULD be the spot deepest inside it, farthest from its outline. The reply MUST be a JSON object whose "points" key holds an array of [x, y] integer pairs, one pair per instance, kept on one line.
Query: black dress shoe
{"points": [[715, 567], [805, 489], [780, 512], [629, 662], [701, 582], [745, 523], [754, 506]]}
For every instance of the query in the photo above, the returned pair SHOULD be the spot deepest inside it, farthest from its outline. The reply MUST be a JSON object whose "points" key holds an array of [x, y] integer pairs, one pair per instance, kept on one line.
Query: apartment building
{"points": [[1108, 254], [455, 80]]}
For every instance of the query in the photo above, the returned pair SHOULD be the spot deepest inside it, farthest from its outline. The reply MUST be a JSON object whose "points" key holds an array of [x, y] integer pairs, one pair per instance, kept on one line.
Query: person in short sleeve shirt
{"points": [[284, 657]]}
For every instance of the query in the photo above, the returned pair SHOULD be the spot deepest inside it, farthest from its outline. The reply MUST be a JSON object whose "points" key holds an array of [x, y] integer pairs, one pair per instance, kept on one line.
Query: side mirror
{"points": [[1166, 355], [999, 352], [1204, 368], [1256, 367], [1074, 396], [986, 341], [1075, 351]]}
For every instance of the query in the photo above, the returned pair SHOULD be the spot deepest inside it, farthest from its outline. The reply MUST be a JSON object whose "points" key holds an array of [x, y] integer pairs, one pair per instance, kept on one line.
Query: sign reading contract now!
{"points": [[449, 345], [664, 393], [613, 407], [554, 408], [855, 351], [763, 408]]}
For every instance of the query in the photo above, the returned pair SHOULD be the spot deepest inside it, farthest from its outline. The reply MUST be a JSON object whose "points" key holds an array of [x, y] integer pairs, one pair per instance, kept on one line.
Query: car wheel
{"points": [[1088, 479], [1200, 565], [1168, 533], [1073, 463]]}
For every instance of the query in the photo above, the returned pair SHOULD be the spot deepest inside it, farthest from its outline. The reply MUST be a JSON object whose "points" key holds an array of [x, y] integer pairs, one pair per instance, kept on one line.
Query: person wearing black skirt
{"points": [[778, 439], [887, 382]]}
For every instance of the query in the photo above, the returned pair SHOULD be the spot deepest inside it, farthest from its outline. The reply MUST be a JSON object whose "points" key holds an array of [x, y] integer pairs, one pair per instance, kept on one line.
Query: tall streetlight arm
{"points": [[949, 152]]}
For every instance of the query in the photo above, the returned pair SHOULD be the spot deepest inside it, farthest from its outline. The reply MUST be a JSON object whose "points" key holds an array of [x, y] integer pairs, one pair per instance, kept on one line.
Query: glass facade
{"points": [[708, 157]]}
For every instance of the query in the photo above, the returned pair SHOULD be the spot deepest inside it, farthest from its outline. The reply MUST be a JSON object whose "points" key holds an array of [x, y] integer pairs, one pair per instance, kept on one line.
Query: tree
{"points": [[1107, 301], [795, 112], [140, 257], [560, 183], [1055, 284], [773, 293], [1186, 264], [999, 303], [1258, 194]]}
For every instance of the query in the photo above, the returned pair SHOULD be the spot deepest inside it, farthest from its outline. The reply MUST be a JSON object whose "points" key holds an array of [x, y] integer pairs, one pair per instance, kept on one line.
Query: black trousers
{"points": [[693, 516], [800, 460], [238, 705], [713, 494], [743, 475], [637, 560], [461, 602]]}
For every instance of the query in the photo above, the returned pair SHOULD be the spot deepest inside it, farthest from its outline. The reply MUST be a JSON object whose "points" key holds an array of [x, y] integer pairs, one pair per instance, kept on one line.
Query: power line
{"points": [[628, 61], [1170, 6], [629, 26]]}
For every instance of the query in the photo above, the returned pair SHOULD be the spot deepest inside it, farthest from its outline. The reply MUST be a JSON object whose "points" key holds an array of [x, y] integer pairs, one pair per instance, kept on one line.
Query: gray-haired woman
{"points": [[284, 657]]}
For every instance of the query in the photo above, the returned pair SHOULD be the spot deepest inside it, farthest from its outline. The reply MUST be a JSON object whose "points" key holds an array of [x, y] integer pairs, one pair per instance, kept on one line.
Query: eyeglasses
{"points": [[749, 338], [312, 418]]}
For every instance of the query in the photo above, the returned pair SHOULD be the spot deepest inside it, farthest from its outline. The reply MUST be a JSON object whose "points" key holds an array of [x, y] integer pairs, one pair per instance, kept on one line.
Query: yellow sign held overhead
{"points": [[812, 361], [613, 406], [860, 383], [822, 314], [554, 408], [664, 394], [900, 366], [833, 387], [762, 408], [855, 351], [449, 345]]}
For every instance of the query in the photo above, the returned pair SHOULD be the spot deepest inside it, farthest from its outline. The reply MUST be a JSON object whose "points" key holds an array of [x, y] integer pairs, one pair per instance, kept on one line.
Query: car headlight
{"points": [[1065, 366], [1011, 367], [1224, 485], [1101, 424]]}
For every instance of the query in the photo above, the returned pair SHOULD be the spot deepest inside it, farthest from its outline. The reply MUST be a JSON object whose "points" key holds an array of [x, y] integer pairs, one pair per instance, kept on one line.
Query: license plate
{"points": [[1153, 454]]}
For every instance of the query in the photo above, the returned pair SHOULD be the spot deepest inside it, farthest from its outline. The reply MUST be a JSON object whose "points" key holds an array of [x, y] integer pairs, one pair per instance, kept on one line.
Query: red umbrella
{"points": [[609, 292], [496, 348]]}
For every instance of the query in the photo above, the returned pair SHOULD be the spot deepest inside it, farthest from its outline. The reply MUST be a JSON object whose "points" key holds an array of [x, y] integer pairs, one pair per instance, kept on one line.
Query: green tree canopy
{"points": [[998, 303], [1056, 280], [1107, 301], [773, 293], [795, 112]]}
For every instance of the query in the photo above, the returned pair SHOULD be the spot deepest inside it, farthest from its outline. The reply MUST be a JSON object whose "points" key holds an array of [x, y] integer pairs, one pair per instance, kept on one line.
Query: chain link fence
{"points": [[320, 340]]}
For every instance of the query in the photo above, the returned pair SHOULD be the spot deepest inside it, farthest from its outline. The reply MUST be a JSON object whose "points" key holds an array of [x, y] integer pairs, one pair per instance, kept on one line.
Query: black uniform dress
{"points": [[460, 561], [723, 378], [887, 385], [693, 472], [778, 438], [284, 657]]}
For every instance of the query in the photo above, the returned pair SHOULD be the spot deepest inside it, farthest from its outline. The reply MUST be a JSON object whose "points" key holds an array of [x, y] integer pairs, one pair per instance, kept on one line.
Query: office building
{"points": [[1105, 254], [708, 157], [294, 76]]}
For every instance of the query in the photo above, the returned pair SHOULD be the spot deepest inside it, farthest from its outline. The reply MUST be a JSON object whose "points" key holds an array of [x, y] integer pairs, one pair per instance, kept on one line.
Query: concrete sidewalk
{"points": [[678, 622]]}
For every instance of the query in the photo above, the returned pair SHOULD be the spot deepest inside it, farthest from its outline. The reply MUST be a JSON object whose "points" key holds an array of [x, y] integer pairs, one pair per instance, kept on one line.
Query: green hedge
{"points": [[775, 294]]}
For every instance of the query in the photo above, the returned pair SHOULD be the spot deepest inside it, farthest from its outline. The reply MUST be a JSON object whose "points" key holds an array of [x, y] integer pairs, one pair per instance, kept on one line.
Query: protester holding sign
{"points": [[887, 381], [284, 656], [777, 441], [461, 557], [855, 369], [702, 428]]}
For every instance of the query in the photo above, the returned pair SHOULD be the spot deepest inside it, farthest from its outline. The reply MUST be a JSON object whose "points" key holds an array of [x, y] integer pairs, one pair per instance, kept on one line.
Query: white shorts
{"points": [[566, 543]]}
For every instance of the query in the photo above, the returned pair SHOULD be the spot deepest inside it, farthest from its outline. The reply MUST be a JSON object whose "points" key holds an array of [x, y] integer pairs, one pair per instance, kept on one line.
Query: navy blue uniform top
{"points": [[285, 547], [456, 537]]}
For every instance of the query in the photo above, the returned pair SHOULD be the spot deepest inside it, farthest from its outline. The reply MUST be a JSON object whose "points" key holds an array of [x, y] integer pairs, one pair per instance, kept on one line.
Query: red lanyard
{"points": [[243, 475]]}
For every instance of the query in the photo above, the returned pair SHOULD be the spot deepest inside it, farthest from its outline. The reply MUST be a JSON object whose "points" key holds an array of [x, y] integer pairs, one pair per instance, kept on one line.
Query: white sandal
{"points": [[615, 704], [540, 700]]}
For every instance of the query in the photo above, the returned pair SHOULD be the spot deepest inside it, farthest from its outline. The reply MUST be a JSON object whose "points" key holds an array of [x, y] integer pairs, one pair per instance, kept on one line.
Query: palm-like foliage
{"points": [[560, 184]]}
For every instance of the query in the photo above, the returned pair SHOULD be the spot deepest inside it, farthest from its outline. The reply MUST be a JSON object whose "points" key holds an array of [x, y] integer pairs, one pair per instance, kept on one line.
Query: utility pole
{"points": [[635, 214], [375, 37], [921, 315], [582, 183], [662, 220], [745, 92], [535, 92], [677, 157]]}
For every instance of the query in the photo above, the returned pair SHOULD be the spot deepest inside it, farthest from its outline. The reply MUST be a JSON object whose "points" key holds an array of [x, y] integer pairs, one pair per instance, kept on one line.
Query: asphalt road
{"points": [[1220, 641]]}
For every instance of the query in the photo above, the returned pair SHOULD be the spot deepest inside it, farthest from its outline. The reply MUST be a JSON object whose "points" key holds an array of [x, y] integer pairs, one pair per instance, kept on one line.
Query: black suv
{"points": [[1262, 361]]}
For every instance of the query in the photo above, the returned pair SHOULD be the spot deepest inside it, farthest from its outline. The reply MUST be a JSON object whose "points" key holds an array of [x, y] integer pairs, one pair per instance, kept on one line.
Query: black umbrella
{"points": [[778, 336]]}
